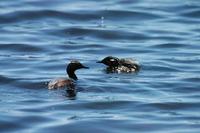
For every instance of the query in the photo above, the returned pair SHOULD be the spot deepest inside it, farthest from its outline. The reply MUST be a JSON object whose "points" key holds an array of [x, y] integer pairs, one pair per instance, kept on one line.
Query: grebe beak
{"points": [[85, 67], [99, 62]]}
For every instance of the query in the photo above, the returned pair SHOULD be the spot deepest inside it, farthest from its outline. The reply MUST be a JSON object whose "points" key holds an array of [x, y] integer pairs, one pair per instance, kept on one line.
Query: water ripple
{"points": [[104, 34], [39, 38], [20, 47], [194, 13], [31, 15]]}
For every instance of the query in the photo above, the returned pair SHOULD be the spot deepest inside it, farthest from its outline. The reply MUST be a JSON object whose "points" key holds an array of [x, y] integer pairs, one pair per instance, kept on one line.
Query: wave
{"points": [[20, 47], [170, 45], [193, 13], [100, 34], [32, 15], [84, 15]]}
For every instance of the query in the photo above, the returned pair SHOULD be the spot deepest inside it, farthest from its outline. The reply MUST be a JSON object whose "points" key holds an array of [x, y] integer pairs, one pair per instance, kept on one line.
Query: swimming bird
{"points": [[126, 65], [70, 82]]}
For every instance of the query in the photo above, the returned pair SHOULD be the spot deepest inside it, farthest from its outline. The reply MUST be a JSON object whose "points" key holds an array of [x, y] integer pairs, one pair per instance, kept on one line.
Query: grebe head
{"points": [[72, 67], [110, 61]]}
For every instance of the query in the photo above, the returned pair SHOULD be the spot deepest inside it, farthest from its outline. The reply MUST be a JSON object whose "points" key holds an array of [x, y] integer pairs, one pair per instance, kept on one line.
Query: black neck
{"points": [[71, 73]]}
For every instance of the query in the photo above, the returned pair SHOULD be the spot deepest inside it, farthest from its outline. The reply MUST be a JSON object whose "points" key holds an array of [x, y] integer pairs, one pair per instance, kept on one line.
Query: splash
{"points": [[102, 24]]}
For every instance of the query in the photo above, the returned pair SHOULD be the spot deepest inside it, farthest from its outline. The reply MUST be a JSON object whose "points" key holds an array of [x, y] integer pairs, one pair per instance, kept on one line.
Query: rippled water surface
{"points": [[39, 37]]}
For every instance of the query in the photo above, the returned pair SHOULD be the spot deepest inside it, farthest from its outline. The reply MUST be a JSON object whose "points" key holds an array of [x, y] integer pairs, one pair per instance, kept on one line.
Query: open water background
{"points": [[39, 37]]}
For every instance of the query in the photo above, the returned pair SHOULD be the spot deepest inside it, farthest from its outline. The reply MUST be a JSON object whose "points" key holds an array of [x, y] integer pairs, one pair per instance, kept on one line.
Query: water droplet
{"points": [[102, 22]]}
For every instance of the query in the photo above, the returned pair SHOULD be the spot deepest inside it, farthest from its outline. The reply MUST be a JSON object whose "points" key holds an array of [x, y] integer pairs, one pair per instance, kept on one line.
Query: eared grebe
{"points": [[115, 64], [68, 83]]}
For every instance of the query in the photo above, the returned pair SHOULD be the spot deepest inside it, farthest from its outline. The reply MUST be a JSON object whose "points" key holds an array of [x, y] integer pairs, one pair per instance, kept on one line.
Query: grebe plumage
{"points": [[68, 83], [125, 65]]}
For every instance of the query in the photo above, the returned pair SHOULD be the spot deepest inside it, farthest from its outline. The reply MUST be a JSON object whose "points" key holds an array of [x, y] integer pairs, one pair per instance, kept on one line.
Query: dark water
{"points": [[39, 37]]}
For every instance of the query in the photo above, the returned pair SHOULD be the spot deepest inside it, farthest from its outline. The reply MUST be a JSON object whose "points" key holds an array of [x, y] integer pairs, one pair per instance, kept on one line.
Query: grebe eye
{"points": [[112, 59]]}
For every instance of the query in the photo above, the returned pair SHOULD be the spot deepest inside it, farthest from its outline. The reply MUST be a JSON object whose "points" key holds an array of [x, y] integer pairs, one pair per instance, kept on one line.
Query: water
{"points": [[38, 38]]}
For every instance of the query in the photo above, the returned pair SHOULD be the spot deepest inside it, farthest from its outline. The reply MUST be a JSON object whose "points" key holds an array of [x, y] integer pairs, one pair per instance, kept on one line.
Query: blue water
{"points": [[39, 37]]}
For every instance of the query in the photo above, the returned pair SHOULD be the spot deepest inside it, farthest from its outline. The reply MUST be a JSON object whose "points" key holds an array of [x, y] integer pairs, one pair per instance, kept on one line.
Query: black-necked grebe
{"points": [[68, 83], [115, 64]]}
